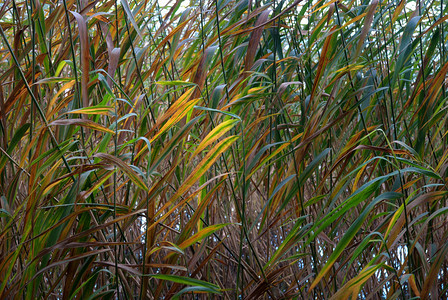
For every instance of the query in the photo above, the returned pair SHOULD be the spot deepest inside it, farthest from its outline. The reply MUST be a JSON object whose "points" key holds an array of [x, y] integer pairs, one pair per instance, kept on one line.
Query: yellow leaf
{"points": [[215, 134]]}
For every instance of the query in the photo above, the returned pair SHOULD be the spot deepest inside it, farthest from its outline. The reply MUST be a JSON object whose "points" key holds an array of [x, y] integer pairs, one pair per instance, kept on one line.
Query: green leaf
{"points": [[18, 135], [127, 9], [349, 234], [186, 281], [175, 82]]}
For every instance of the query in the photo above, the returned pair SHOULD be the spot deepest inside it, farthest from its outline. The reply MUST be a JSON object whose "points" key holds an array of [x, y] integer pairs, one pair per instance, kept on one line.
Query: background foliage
{"points": [[235, 149]]}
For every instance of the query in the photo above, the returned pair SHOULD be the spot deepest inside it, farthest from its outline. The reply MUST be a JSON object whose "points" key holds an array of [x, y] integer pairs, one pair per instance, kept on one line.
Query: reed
{"points": [[223, 149]]}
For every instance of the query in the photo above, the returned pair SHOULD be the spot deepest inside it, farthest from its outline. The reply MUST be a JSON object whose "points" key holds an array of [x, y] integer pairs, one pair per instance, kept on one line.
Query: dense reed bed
{"points": [[223, 149]]}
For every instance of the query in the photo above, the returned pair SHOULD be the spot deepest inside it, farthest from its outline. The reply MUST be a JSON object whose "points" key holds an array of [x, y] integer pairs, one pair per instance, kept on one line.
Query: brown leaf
{"points": [[84, 40]]}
